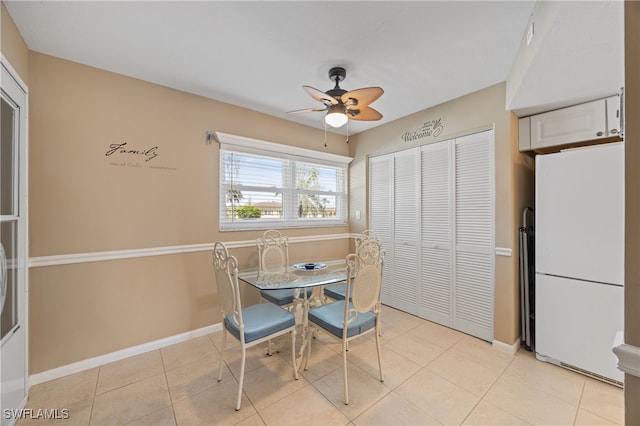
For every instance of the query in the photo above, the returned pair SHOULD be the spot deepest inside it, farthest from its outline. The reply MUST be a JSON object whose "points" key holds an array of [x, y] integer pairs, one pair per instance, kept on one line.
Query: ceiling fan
{"points": [[342, 105]]}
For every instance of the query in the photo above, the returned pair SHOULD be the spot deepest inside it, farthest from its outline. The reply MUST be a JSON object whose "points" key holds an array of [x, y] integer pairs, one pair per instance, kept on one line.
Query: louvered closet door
{"points": [[474, 258], [406, 214], [380, 217], [437, 283]]}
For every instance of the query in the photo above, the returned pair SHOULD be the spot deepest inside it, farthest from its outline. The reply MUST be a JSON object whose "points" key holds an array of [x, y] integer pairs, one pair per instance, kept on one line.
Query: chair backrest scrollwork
{"points": [[366, 235], [226, 274], [364, 278], [273, 253]]}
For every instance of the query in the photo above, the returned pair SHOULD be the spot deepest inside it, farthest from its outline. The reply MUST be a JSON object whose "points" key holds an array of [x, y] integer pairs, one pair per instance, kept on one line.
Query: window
{"points": [[265, 185]]}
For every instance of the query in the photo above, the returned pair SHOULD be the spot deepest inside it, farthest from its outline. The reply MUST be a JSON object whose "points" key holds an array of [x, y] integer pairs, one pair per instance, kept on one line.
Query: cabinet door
{"points": [[381, 215], [577, 123], [474, 235], [436, 289], [406, 214], [614, 116]]}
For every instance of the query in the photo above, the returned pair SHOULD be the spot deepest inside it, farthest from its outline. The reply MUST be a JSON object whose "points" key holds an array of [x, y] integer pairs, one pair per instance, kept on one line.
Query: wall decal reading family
{"points": [[432, 128], [117, 150]]}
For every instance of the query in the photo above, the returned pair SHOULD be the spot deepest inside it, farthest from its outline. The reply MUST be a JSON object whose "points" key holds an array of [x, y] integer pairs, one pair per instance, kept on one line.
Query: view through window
{"points": [[271, 191]]}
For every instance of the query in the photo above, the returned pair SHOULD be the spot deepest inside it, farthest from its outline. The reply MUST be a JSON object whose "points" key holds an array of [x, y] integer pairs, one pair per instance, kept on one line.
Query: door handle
{"points": [[3, 277]]}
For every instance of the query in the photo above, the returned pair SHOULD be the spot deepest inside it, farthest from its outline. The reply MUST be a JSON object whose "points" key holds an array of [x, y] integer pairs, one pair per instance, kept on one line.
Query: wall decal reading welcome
{"points": [[432, 128], [131, 155]]}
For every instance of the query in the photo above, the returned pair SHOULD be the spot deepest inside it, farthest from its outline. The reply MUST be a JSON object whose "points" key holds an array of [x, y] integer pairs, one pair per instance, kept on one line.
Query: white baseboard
{"points": [[505, 347], [86, 364]]}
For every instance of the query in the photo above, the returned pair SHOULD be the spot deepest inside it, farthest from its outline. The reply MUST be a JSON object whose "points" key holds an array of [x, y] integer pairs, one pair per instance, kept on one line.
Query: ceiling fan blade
{"points": [[320, 96], [306, 110], [362, 97], [365, 114]]}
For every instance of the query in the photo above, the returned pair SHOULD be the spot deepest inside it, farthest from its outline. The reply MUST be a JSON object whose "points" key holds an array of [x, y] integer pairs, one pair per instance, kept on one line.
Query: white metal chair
{"points": [[338, 291], [251, 325], [273, 260], [359, 313]]}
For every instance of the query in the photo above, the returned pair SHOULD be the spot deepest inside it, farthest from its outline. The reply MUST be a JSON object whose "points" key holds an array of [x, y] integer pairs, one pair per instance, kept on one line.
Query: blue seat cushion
{"points": [[282, 297], [331, 315], [336, 292], [260, 320]]}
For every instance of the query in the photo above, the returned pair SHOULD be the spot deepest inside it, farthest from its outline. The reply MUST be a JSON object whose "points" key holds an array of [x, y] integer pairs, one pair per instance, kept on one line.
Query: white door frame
{"points": [[14, 379]]}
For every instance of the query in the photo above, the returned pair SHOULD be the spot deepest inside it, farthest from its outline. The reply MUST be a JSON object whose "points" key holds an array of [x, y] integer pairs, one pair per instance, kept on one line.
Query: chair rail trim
{"points": [[72, 258]]}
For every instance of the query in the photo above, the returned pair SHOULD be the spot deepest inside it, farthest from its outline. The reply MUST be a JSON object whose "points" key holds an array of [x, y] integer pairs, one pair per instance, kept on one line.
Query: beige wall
{"points": [[13, 46], [632, 206], [477, 111], [83, 201]]}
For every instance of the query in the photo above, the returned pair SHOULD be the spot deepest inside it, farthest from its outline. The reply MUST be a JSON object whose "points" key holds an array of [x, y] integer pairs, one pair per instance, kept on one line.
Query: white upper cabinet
{"points": [[590, 121], [577, 123]]}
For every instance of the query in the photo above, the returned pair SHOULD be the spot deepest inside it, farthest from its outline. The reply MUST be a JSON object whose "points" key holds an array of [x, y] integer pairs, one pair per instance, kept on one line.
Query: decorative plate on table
{"points": [[309, 266]]}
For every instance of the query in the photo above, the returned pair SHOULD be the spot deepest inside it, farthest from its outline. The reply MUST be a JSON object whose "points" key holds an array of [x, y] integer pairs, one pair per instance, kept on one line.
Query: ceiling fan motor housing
{"points": [[337, 74]]}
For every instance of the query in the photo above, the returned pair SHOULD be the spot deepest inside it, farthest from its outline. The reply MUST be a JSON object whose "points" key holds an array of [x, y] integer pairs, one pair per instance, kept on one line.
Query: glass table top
{"points": [[296, 278]]}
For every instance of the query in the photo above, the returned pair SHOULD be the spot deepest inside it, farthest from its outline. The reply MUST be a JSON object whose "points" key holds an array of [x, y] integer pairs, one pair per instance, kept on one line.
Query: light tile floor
{"points": [[433, 375]]}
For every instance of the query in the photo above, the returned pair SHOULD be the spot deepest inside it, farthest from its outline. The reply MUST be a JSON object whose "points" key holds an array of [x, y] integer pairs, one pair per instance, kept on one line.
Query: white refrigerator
{"points": [[579, 258]]}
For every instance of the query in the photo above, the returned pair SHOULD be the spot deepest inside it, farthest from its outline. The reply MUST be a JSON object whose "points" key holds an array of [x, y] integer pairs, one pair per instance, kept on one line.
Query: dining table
{"points": [[300, 277]]}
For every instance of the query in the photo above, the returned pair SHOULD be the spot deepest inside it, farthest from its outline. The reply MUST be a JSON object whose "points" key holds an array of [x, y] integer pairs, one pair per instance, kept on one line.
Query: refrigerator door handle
{"points": [[3, 277]]}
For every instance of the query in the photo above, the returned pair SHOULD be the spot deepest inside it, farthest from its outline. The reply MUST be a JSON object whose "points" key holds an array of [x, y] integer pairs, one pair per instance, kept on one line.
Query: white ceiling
{"points": [[259, 54]]}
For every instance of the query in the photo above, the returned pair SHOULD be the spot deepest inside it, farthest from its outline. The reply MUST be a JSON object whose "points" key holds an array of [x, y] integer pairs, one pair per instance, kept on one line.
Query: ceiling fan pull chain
{"points": [[325, 133], [347, 131]]}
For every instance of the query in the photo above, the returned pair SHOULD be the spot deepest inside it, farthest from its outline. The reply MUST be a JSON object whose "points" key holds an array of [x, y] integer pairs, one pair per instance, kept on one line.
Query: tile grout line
{"points": [[482, 398], [575, 417], [166, 380], [95, 393]]}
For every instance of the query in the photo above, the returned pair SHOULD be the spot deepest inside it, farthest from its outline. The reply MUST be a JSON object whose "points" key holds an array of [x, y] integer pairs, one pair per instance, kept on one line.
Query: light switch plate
{"points": [[530, 34]]}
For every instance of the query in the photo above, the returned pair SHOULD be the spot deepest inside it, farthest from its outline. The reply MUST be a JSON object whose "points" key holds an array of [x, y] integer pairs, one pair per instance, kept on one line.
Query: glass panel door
{"points": [[8, 293], [13, 248], [9, 302]]}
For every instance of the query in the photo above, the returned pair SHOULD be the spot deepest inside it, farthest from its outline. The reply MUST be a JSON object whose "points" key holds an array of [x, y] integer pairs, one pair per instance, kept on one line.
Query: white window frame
{"points": [[240, 144]]}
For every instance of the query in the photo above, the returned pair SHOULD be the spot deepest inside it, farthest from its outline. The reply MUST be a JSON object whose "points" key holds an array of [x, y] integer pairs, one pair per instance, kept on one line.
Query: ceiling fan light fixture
{"points": [[341, 105], [336, 116]]}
